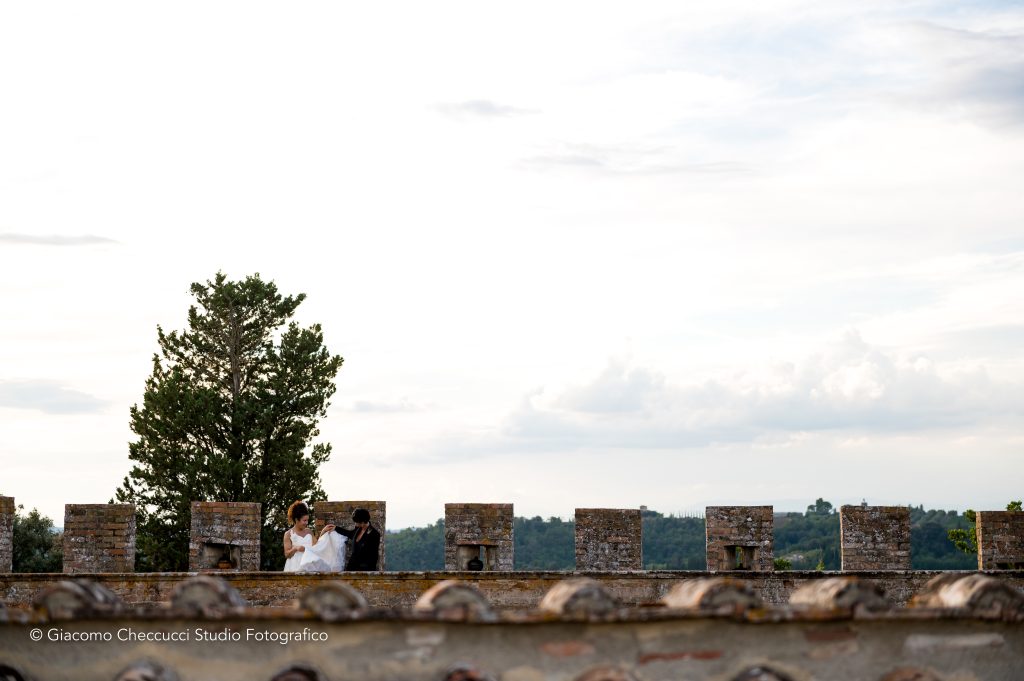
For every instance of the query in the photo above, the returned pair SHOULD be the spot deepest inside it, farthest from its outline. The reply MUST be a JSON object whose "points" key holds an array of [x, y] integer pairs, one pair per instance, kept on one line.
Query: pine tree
{"points": [[229, 414]]}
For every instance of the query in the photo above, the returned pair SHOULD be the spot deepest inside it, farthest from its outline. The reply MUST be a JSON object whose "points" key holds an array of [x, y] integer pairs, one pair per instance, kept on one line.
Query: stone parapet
{"points": [[609, 539], [519, 590], [225, 535], [1000, 540], [81, 632], [482, 531], [7, 511], [99, 538], [960, 626], [740, 538], [874, 537]]}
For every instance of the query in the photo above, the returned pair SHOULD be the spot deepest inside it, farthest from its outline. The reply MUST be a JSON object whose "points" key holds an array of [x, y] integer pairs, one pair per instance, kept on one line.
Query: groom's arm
{"points": [[343, 531]]}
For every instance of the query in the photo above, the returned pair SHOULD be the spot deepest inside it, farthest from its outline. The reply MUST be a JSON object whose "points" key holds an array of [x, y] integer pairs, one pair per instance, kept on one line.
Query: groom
{"points": [[365, 541]]}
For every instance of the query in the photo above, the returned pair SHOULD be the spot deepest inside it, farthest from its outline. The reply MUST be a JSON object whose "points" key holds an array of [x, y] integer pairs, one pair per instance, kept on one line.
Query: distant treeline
{"points": [[808, 540]]}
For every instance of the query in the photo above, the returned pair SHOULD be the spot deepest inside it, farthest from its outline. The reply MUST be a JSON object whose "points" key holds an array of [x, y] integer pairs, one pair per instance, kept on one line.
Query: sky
{"points": [[577, 254]]}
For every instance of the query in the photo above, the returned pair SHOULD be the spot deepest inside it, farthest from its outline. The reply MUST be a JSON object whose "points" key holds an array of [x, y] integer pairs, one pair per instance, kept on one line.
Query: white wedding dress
{"points": [[327, 555]]}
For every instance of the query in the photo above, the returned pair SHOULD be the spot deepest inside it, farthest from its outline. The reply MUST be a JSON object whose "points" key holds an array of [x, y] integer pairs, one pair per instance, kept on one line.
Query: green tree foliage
{"points": [[416, 548], [673, 543], [545, 545], [782, 564], [37, 547], [965, 539], [929, 548], [819, 507], [809, 539], [229, 414]]}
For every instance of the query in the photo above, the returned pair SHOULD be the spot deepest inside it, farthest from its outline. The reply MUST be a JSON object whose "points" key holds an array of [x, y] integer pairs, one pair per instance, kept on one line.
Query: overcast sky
{"points": [[574, 254]]}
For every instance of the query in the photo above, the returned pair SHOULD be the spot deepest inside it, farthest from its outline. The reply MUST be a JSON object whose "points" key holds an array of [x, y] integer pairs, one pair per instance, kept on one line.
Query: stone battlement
{"points": [[479, 536]]}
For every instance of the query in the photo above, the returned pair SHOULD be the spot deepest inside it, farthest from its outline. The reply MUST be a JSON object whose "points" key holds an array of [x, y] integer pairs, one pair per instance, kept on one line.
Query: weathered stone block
{"points": [[1000, 540], [609, 539], [874, 537], [482, 531], [7, 511], [339, 513], [90, 547], [740, 537], [222, 533]]}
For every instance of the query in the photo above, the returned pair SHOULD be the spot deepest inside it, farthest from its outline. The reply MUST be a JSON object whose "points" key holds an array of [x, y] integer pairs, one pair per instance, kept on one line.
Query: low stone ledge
{"points": [[333, 601], [75, 599], [206, 596], [846, 593], [977, 593], [462, 608], [505, 590], [714, 594], [578, 596], [454, 598]]}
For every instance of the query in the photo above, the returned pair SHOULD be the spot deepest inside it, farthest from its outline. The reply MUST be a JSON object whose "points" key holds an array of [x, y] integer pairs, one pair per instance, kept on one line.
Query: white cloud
{"points": [[53, 239], [385, 407], [48, 397], [972, 73], [712, 189], [850, 386], [481, 108]]}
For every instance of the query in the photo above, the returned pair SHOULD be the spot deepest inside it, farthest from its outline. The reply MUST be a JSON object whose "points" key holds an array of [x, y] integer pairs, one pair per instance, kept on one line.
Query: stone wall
{"points": [[694, 649], [740, 535], [1000, 540], [609, 539], [340, 513], [519, 590], [72, 636], [7, 511], [487, 526], [874, 537], [225, 530], [99, 538]]}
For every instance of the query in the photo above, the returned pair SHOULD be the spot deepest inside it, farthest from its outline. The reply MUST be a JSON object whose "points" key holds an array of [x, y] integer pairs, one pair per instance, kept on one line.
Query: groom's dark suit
{"points": [[364, 551]]}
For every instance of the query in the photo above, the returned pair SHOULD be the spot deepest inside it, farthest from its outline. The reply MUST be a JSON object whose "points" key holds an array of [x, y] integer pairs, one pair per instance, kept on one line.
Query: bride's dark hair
{"points": [[297, 510]]}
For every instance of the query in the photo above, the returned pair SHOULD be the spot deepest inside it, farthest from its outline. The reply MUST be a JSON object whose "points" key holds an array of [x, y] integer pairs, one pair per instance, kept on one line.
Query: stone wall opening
{"points": [[485, 555], [489, 526], [220, 556], [740, 557], [742, 534], [225, 527]]}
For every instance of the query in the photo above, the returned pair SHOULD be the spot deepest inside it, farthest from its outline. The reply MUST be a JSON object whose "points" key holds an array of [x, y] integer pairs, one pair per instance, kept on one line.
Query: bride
{"points": [[305, 551]]}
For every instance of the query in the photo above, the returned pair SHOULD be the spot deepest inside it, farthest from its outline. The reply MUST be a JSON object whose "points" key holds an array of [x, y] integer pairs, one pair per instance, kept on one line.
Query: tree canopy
{"points": [[819, 507], [229, 413], [36, 546]]}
